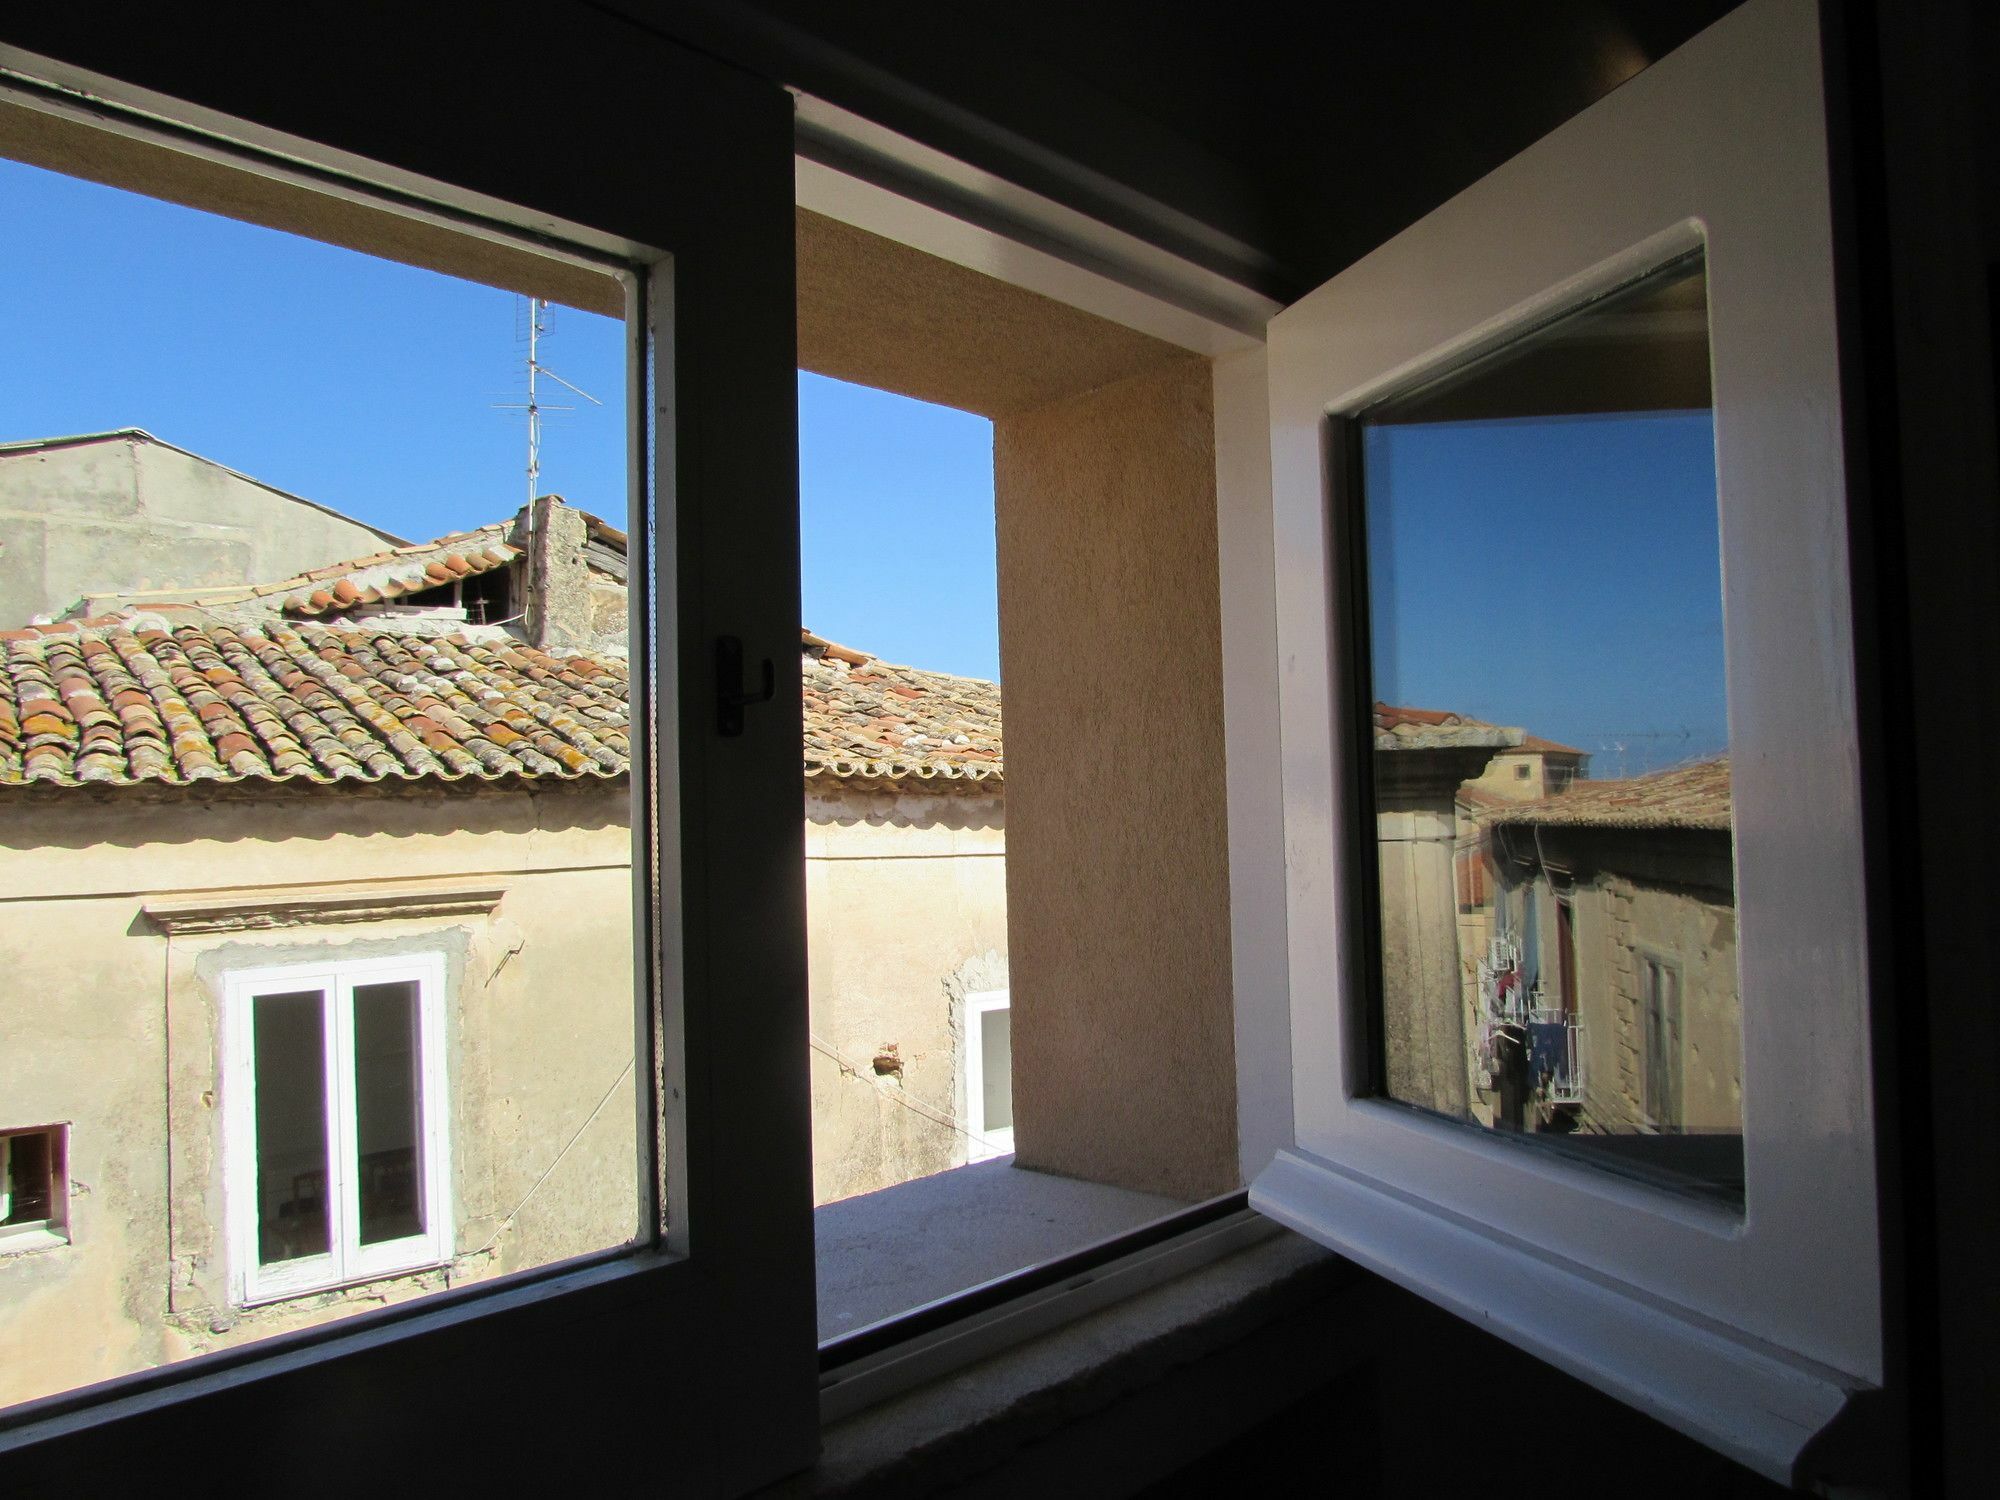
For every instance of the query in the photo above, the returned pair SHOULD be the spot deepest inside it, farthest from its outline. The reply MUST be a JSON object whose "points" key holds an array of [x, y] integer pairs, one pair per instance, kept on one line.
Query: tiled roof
{"points": [[174, 696], [384, 577], [1695, 796], [378, 578], [866, 718], [1549, 747], [1437, 729]]}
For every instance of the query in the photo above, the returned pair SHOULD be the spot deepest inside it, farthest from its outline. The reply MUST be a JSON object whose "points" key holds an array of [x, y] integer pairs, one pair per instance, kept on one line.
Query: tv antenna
{"points": [[534, 406]]}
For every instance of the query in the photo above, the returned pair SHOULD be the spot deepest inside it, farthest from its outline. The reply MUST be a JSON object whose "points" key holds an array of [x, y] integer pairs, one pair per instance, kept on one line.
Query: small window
{"points": [[336, 1125], [1521, 772], [989, 1074], [34, 1188]]}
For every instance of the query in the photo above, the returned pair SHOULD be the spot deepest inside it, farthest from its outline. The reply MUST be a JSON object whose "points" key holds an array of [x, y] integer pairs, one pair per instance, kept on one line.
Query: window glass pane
{"points": [[290, 1059], [996, 1060], [387, 1112], [372, 701], [1550, 740]]}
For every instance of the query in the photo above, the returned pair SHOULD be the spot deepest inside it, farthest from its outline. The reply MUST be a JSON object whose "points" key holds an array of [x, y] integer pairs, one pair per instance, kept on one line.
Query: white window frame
{"points": [[348, 1262], [1746, 1330], [981, 1144]]}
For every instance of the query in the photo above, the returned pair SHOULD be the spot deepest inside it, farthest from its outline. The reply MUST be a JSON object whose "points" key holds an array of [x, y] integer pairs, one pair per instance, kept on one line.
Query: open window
{"points": [[339, 1026], [1512, 1112]]}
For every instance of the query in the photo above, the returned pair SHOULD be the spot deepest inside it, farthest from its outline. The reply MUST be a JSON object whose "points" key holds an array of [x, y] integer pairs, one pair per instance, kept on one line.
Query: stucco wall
{"points": [[906, 910], [128, 514], [1620, 922], [110, 1023], [1117, 871]]}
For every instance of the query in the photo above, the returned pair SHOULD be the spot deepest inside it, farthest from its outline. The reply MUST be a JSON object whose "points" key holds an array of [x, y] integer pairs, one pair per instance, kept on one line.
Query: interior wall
{"points": [[1117, 860]]}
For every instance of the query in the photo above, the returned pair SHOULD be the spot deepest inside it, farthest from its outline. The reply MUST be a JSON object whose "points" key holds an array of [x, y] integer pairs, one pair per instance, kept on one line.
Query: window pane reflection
{"points": [[1556, 924], [290, 1044], [387, 1122]]}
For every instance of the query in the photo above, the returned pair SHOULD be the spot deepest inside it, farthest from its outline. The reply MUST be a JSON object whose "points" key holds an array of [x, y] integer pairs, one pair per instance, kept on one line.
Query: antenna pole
{"points": [[537, 307]]}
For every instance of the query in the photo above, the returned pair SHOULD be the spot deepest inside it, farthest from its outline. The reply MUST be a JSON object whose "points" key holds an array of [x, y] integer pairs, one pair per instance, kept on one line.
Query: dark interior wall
{"points": [[1276, 142]]}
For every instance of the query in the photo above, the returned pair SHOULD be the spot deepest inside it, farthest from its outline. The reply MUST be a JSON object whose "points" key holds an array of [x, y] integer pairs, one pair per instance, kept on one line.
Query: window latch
{"points": [[730, 696]]}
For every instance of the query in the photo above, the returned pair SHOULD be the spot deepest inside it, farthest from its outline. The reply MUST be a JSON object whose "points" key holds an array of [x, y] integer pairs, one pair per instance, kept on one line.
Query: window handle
{"points": [[730, 697]]}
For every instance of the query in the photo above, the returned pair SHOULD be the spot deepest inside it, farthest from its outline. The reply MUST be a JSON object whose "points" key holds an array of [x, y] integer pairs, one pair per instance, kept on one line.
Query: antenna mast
{"points": [[538, 327]]}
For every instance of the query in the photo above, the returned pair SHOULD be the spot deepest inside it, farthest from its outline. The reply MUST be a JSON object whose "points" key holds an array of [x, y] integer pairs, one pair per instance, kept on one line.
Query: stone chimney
{"points": [[558, 614]]}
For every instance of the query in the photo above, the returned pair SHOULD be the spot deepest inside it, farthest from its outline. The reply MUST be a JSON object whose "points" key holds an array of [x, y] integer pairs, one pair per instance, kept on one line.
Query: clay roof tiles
{"points": [[175, 696], [869, 719], [1693, 796]]}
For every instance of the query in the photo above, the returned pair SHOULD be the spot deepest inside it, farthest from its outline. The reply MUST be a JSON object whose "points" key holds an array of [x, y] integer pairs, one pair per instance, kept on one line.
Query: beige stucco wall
{"points": [[1619, 922], [127, 514], [109, 1023], [1423, 1021], [906, 911], [1118, 875]]}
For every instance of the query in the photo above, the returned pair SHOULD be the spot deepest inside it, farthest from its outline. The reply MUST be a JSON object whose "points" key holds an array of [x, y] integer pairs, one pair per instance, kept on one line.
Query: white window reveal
{"points": [[989, 1075], [34, 1188], [335, 1136]]}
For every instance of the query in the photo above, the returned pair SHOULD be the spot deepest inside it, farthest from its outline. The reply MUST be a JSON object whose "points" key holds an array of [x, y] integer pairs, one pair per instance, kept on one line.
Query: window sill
{"points": [[984, 1419], [24, 1240]]}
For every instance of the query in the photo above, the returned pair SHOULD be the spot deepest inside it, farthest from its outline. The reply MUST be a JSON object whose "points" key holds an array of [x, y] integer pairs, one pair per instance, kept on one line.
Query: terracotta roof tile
{"points": [[869, 719], [1695, 796], [122, 700], [207, 701]]}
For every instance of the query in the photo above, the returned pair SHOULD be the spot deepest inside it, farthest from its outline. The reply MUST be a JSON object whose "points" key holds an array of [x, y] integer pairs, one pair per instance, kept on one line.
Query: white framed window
{"points": [[1748, 1325], [989, 1074], [334, 1117], [34, 1188]]}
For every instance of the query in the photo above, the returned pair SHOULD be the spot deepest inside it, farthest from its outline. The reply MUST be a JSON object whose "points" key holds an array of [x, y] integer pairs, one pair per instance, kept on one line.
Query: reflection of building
{"points": [[1422, 758], [1614, 919], [331, 878]]}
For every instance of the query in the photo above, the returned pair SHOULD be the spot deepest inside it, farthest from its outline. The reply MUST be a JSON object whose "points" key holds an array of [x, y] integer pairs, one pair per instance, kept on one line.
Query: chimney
{"points": [[558, 604]]}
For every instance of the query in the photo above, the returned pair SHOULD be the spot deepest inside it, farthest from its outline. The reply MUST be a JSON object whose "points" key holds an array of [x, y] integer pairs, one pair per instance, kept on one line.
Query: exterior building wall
{"points": [[111, 1025], [906, 911], [1621, 921], [1423, 1025], [124, 514]]}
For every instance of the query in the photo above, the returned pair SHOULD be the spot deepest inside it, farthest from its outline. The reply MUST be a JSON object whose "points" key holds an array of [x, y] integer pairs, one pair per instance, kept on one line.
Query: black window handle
{"points": [[730, 697]]}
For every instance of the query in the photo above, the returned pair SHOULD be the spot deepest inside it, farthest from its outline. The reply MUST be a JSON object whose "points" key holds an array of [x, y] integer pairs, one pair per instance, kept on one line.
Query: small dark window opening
{"points": [[488, 597], [34, 1180], [1521, 773]]}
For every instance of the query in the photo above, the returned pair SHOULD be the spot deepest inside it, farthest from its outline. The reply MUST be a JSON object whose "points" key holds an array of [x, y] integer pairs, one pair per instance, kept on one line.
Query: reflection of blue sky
{"points": [[1560, 574]]}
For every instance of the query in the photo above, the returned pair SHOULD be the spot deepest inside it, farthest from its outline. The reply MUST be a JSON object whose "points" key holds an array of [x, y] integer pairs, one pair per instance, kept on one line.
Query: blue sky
{"points": [[370, 386], [1559, 574]]}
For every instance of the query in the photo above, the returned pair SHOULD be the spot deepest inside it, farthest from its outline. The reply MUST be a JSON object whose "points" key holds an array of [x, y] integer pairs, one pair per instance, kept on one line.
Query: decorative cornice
{"points": [[257, 910]]}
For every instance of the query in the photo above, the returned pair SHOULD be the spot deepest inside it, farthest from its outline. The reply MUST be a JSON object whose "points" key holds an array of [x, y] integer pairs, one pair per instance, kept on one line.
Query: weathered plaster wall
{"points": [[906, 909], [1118, 870], [1423, 994], [1620, 922], [129, 514], [113, 1027]]}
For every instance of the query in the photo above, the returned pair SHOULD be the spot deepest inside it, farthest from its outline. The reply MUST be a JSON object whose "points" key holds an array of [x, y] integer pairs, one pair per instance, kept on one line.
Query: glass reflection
{"points": [[290, 1045], [1556, 925]]}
